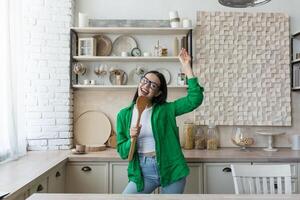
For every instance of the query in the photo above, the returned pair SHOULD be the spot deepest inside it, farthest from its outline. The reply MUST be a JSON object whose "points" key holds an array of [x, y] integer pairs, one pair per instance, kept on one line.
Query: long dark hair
{"points": [[160, 99]]}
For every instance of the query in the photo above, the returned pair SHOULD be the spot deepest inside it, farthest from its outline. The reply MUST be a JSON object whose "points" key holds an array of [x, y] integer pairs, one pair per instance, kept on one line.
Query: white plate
{"points": [[166, 74], [123, 43], [91, 128]]}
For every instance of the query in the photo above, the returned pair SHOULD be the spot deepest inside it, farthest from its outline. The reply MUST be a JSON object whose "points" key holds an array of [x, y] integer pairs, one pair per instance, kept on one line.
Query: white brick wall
{"points": [[49, 100]]}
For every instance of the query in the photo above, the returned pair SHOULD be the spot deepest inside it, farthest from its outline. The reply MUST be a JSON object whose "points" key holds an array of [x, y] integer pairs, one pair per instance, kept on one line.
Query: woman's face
{"points": [[149, 86]]}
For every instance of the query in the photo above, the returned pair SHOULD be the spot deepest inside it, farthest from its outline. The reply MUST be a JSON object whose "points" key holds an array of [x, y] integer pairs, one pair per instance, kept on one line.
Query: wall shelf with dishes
{"points": [[132, 30], [295, 62], [119, 86], [128, 59], [117, 57]]}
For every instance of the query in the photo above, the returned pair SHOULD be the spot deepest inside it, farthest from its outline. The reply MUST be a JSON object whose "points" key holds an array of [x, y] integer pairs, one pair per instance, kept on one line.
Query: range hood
{"points": [[243, 3]]}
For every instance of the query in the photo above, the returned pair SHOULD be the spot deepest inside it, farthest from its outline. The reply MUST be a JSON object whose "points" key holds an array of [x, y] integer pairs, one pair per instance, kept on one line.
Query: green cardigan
{"points": [[170, 160]]}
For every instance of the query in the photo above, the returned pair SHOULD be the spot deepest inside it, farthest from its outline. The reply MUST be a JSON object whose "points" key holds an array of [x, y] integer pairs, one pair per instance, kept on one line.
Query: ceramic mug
{"points": [[186, 23], [93, 82], [124, 54], [175, 24], [146, 54], [86, 82]]}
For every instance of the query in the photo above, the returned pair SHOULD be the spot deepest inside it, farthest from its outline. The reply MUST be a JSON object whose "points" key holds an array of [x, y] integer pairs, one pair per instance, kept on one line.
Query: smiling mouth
{"points": [[144, 92]]}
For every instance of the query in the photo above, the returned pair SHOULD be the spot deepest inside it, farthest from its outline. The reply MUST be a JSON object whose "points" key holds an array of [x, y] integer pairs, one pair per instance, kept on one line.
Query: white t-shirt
{"points": [[145, 141]]}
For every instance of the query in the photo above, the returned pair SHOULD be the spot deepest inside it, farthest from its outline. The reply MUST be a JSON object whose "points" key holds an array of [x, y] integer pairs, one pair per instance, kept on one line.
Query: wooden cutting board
{"points": [[92, 128], [112, 141]]}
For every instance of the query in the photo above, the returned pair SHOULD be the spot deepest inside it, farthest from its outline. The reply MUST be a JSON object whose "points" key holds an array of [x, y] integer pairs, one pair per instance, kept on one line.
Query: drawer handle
{"points": [[86, 169], [57, 174], [39, 188], [226, 169]]}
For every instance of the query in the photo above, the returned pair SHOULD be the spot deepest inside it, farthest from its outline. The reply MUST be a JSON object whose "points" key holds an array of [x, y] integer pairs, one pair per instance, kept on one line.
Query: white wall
{"points": [[159, 9]]}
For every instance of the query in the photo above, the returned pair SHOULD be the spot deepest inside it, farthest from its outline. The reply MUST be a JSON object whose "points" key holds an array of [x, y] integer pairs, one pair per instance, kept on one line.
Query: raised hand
{"points": [[185, 60], [184, 57]]}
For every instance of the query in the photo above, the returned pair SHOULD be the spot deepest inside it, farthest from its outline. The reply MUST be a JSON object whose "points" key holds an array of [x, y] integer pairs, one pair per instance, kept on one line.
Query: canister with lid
{"points": [[200, 142], [189, 133], [212, 141]]}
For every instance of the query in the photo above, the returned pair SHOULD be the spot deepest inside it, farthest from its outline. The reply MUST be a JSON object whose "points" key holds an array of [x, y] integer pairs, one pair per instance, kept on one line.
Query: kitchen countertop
{"points": [[220, 155], [18, 174], [37, 196]]}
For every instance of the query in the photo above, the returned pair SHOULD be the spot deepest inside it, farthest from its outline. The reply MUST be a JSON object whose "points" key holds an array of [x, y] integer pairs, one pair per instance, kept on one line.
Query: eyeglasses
{"points": [[153, 85]]}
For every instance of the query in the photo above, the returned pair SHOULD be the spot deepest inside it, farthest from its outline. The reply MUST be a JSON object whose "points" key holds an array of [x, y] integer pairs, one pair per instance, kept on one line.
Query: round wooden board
{"points": [[92, 128]]}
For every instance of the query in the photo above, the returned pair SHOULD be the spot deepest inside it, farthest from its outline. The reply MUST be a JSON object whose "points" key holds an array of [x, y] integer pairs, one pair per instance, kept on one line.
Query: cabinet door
{"points": [[22, 195], [56, 182], [194, 182], [118, 177], [40, 187], [218, 178], [87, 177]]}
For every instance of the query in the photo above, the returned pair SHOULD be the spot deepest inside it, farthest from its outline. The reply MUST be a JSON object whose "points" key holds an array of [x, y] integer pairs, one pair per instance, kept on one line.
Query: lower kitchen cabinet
{"points": [[111, 177], [56, 179], [39, 186], [21, 195], [194, 182], [118, 177], [218, 178], [87, 177]]}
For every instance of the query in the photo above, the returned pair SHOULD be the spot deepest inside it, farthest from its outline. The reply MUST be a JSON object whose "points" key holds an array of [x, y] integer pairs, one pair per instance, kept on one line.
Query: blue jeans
{"points": [[152, 181]]}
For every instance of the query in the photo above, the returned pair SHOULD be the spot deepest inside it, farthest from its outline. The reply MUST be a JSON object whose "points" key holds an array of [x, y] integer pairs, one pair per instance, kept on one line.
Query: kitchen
{"points": [[54, 113]]}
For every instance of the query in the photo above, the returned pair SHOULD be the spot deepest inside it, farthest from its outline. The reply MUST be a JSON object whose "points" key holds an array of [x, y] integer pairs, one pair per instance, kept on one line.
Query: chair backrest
{"points": [[262, 179]]}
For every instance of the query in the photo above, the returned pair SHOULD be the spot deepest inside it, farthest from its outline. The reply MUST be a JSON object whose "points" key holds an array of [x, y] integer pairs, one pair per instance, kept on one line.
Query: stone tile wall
{"points": [[242, 60]]}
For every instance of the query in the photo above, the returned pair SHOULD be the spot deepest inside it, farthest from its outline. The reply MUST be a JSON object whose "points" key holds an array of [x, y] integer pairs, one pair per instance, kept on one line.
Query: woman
{"points": [[158, 159]]}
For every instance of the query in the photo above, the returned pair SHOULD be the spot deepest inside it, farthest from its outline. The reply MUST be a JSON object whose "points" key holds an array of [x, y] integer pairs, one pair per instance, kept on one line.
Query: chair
{"points": [[262, 179]]}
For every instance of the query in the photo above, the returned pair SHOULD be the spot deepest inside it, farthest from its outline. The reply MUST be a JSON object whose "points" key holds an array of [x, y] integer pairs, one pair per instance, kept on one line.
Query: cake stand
{"points": [[270, 135]]}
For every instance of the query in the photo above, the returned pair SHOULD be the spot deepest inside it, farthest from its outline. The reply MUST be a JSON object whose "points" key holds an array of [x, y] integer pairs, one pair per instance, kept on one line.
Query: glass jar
{"points": [[212, 141], [189, 133], [181, 79], [199, 138], [241, 137]]}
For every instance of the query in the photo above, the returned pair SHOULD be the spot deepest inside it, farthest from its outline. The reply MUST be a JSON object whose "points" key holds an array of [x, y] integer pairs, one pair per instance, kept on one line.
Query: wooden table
{"points": [[39, 196]]}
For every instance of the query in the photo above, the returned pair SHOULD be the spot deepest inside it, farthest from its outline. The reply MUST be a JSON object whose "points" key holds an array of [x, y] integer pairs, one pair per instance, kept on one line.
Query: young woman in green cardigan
{"points": [[158, 160]]}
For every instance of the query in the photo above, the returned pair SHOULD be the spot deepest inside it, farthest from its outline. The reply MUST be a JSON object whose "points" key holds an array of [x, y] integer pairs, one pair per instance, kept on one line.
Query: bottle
{"points": [[189, 133], [157, 49], [212, 141]]}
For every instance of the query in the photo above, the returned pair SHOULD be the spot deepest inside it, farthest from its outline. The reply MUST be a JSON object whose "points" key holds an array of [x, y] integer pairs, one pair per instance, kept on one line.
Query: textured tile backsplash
{"points": [[243, 60]]}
